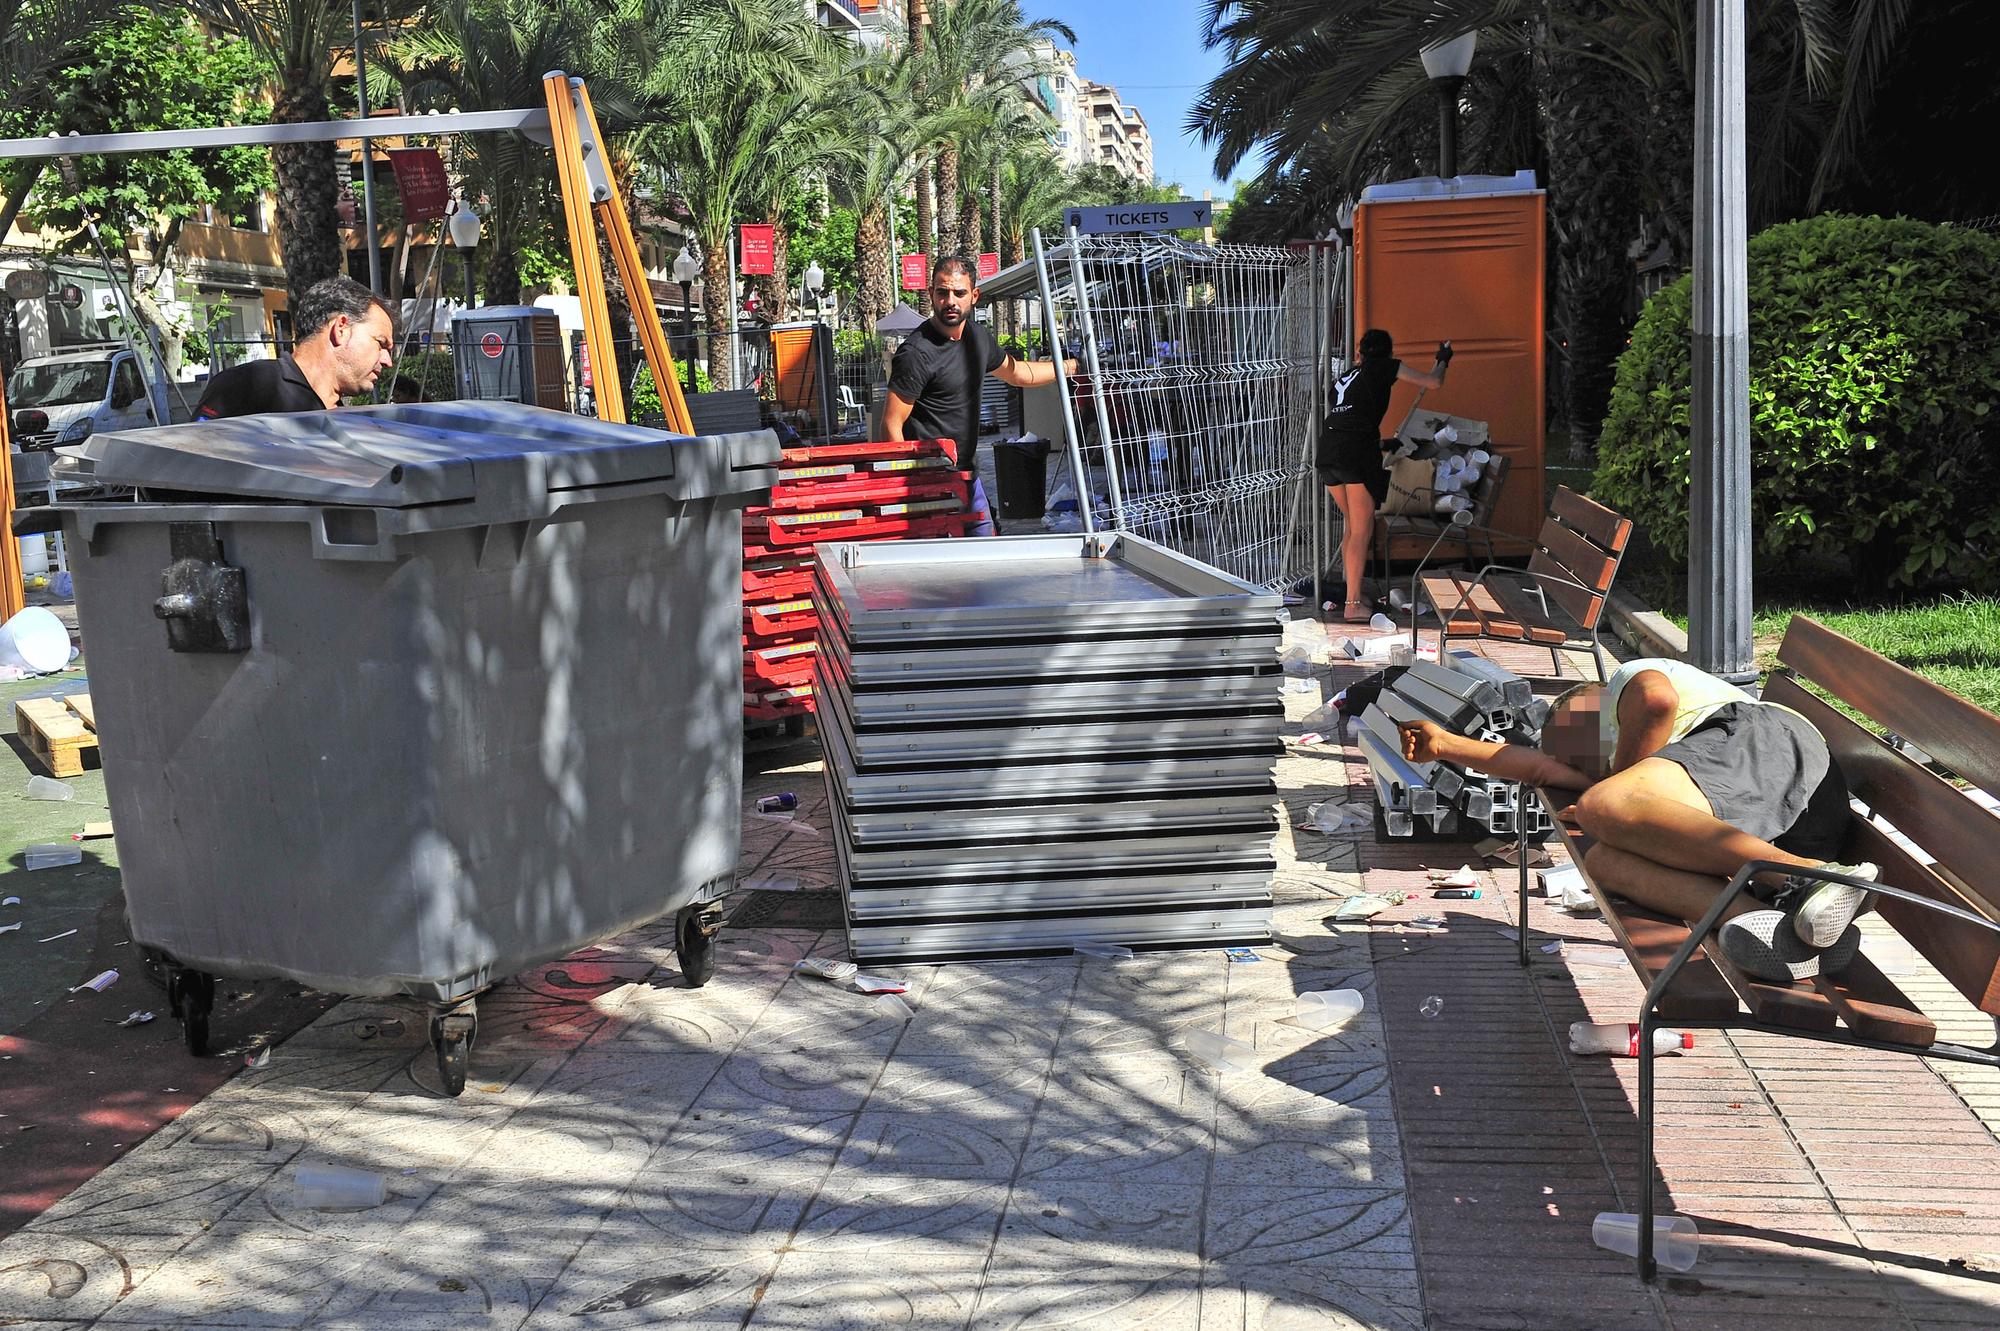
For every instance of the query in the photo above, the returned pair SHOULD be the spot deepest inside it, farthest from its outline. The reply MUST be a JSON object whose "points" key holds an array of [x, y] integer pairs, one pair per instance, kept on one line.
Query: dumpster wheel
{"points": [[452, 1034], [191, 995], [695, 928]]}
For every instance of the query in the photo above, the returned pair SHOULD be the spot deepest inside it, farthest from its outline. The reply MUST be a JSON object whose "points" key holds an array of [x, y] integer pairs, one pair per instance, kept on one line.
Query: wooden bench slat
{"points": [[1482, 616], [1968, 957], [1606, 528], [1799, 1005], [1699, 993], [1964, 738], [1954, 831], [1583, 607], [1521, 606], [1869, 1004], [1578, 558]]}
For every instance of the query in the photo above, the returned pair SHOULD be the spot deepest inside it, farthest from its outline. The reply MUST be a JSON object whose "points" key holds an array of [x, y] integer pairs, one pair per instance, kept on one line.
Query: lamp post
{"points": [[464, 224], [815, 283], [1447, 63], [686, 269]]}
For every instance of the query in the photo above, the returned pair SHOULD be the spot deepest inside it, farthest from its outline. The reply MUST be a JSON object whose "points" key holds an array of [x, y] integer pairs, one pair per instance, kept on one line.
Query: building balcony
{"points": [[841, 13]]}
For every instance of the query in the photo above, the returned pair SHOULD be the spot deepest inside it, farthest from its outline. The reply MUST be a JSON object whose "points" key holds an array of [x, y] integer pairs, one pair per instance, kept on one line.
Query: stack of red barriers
{"points": [[833, 492]]}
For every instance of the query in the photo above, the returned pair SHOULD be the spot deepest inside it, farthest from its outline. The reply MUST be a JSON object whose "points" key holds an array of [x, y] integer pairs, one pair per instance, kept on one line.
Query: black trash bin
{"points": [[1021, 466]]}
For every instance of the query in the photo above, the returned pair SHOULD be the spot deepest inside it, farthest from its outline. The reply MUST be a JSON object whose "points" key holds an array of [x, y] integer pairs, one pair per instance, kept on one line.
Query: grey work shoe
{"points": [[1765, 945], [1822, 911]]}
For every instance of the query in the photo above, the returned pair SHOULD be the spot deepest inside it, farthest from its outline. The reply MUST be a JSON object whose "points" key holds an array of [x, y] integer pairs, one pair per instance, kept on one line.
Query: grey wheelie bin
{"points": [[403, 700]]}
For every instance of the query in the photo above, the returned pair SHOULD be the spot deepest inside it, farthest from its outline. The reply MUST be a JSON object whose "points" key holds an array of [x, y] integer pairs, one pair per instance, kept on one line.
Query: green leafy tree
{"points": [[138, 69], [822, 233], [1874, 398]]}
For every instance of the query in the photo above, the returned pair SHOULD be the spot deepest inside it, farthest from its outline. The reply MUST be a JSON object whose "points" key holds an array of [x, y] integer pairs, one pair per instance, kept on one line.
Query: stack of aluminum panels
{"points": [[1038, 741]]}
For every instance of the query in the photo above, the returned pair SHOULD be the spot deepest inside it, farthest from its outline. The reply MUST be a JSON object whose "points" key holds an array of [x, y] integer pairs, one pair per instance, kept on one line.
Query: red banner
{"points": [[916, 272], [989, 265], [757, 247], [421, 182]]}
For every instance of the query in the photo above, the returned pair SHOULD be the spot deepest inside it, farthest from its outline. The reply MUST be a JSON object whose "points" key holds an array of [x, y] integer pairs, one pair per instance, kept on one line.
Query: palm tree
{"points": [[1331, 93], [885, 89], [489, 55], [727, 77], [976, 54], [298, 39]]}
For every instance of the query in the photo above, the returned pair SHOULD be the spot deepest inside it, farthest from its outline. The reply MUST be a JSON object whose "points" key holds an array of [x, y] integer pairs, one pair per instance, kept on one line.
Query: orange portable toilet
{"points": [[1462, 261]]}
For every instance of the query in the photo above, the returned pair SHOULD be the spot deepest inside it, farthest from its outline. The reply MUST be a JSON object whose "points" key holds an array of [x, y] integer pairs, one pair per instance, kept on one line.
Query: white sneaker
{"points": [[1825, 910]]}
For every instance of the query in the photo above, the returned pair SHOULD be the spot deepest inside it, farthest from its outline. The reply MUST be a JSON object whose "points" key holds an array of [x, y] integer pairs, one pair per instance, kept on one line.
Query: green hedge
{"points": [[1874, 383]]}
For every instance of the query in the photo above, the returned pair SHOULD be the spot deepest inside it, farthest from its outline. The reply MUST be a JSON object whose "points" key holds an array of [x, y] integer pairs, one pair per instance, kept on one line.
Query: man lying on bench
{"points": [[1683, 780]]}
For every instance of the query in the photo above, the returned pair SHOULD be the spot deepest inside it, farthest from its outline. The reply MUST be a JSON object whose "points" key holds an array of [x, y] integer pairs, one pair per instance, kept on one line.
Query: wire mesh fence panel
{"points": [[1196, 399]]}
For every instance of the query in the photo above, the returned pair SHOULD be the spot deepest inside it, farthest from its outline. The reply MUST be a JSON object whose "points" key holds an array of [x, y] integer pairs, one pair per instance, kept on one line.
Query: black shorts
{"points": [[1768, 772], [1353, 462]]}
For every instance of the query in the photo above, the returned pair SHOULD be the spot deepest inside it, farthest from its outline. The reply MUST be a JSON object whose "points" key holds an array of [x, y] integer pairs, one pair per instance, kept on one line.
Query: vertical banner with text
{"points": [[916, 272], [758, 247], [989, 265]]}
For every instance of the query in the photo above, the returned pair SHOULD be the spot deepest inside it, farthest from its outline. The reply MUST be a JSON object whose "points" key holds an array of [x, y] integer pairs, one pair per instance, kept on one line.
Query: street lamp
{"points": [[815, 283], [686, 269], [1447, 63], [464, 225]]}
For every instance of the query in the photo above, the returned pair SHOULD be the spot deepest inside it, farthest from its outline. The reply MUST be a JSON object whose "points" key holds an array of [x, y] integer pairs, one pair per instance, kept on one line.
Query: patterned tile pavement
{"points": [[1033, 1148]]}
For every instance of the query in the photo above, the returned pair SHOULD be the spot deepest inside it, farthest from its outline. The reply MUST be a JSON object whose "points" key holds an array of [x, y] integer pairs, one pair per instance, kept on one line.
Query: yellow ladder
{"points": [[585, 177]]}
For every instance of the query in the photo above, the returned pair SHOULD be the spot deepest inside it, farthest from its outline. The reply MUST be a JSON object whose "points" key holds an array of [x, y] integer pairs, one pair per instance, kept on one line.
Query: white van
{"points": [[63, 399]]}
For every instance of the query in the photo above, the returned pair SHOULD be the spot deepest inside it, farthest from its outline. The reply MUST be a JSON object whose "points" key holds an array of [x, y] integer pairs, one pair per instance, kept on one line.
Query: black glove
{"points": [[1444, 353]]}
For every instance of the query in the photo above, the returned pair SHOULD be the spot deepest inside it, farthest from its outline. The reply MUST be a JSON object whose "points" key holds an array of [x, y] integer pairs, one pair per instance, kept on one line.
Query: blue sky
{"points": [[1152, 50]]}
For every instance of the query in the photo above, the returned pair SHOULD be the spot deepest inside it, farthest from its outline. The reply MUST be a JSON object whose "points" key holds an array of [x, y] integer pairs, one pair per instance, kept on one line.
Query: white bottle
{"points": [[1622, 1038]]}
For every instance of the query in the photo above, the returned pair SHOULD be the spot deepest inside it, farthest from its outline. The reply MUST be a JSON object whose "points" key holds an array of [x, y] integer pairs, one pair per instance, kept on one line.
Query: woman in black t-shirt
{"points": [[1349, 455]]}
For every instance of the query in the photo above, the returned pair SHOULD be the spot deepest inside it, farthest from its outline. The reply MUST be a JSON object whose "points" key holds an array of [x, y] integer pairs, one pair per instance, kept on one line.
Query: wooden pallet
{"points": [[58, 731]]}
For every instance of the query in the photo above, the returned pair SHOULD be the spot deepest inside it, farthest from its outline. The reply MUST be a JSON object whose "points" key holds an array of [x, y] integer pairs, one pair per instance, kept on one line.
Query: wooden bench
{"points": [[1559, 598], [1945, 902]]}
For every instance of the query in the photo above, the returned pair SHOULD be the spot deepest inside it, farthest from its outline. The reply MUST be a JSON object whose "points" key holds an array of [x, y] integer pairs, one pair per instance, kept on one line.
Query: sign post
{"points": [[1129, 218]]}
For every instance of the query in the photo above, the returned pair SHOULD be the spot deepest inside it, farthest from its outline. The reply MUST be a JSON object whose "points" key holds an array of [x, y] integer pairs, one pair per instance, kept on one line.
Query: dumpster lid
{"points": [[392, 456]]}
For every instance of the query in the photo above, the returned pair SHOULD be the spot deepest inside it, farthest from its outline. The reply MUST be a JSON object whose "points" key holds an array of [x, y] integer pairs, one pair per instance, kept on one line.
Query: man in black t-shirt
{"points": [[934, 383], [344, 339]]}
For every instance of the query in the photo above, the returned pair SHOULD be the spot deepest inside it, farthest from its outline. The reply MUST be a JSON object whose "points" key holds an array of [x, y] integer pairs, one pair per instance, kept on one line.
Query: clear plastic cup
{"points": [[1102, 951], [1222, 1052], [893, 1008], [52, 857], [338, 1188], [48, 788], [1676, 1241], [1321, 1008]]}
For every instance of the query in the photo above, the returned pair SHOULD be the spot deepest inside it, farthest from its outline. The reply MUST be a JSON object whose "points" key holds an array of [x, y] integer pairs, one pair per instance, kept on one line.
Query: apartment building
{"points": [[868, 22], [1115, 132]]}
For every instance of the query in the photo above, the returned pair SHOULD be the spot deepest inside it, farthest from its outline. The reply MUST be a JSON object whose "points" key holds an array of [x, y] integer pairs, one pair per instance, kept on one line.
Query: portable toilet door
{"points": [[1463, 261], [510, 353]]}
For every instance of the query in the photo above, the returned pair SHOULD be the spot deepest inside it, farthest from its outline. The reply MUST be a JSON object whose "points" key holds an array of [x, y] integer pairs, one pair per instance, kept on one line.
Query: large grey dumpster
{"points": [[403, 700]]}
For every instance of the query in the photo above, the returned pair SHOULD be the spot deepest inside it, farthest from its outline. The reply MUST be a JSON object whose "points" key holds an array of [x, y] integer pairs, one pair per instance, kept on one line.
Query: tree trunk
{"points": [[968, 223], [1594, 186], [925, 230], [774, 292], [715, 308], [308, 187], [503, 274], [994, 197], [947, 200], [873, 265], [1668, 166]]}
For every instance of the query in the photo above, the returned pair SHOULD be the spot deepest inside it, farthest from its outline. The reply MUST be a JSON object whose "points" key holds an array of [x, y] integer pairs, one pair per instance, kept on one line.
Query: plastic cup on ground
{"points": [[338, 1188], [1222, 1052], [1381, 623], [1321, 1008], [1676, 1241], [53, 857], [48, 788], [34, 640]]}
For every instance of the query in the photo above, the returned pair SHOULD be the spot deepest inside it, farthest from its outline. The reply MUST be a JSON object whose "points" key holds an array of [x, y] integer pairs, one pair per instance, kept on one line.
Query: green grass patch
{"points": [[1953, 641]]}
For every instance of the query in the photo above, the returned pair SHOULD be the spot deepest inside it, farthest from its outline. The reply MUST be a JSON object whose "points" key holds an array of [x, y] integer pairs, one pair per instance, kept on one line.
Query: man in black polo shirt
{"points": [[344, 338], [934, 383]]}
